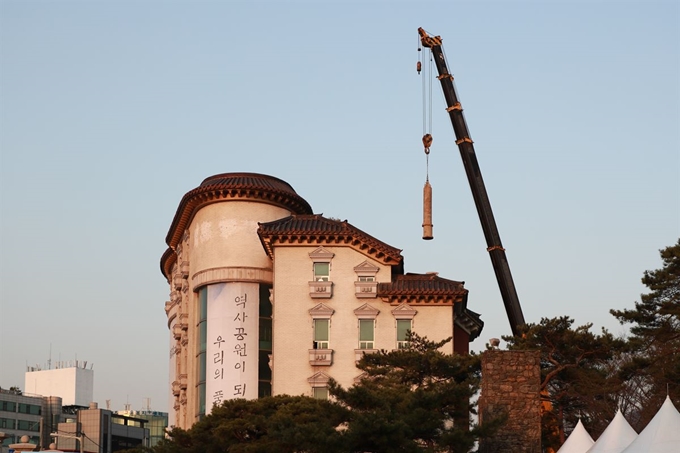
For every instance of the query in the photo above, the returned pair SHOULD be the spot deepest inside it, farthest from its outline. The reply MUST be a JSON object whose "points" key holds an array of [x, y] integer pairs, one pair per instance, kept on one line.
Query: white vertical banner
{"points": [[232, 342]]}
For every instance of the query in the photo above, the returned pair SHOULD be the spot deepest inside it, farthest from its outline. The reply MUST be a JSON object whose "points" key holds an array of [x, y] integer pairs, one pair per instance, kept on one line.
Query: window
{"points": [[319, 383], [366, 333], [201, 352], [320, 393], [28, 425], [321, 354], [403, 327], [321, 286], [8, 406], [264, 371], [321, 328], [265, 337], [29, 409], [366, 285], [322, 272], [404, 315], [366, 315], [7, 423], [322, 264]]}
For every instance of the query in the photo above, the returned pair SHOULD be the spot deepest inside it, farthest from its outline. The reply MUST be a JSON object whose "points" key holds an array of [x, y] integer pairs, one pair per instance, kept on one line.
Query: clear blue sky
{"points": [[111, 111]]}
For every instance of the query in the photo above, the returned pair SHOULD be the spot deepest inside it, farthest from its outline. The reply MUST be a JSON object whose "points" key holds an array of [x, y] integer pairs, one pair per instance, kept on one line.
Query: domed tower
{"points": [[220, 277]]}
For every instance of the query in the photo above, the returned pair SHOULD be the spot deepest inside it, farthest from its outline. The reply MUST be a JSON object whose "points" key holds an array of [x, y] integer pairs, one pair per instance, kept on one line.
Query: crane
{"points": [[467, 153]]}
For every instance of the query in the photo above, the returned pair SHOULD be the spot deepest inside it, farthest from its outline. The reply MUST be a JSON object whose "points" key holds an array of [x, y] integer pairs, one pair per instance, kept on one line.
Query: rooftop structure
{"points": [[71, 381]]}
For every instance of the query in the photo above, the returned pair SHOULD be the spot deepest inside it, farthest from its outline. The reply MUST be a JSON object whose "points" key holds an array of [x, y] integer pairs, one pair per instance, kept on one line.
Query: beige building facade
{"points": [[267, 298]]}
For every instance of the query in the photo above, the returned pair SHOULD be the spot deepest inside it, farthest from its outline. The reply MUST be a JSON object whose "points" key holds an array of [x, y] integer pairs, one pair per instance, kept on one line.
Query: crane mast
{"points": [[467, 153]]}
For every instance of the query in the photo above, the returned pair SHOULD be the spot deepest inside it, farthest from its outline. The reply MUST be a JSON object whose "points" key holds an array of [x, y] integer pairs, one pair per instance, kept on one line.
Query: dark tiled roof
{"points": [[413, 284], [233, 186], [430, 289], [469, 321], [318, 230]]}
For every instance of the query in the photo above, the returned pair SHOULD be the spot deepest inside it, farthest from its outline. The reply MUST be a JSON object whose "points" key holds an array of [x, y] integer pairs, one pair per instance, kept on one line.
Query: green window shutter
{"points": [[321, 330], [365, 330], [403, 326], [320, 393], [321, 270]]}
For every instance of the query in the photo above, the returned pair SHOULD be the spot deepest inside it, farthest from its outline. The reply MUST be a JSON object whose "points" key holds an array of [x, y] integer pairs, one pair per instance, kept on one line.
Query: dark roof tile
{"points": [[420, 284], [316, 229]]}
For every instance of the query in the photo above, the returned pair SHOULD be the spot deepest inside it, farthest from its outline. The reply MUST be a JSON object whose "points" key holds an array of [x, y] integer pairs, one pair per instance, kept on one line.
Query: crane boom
{"points": [[474, 175]]}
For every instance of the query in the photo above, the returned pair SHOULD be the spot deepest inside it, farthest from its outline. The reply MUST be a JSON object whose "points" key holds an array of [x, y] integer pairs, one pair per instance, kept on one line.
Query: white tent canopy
{"points": [[579, 441], [618, 435], [661, 435]]}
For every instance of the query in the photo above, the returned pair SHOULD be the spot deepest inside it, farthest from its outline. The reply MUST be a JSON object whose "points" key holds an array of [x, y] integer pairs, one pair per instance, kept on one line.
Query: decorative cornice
{"points": [[321, 311], [321, 255], [366, 312], [231, 274], [404, 311], [366, 269], [319, 379]]}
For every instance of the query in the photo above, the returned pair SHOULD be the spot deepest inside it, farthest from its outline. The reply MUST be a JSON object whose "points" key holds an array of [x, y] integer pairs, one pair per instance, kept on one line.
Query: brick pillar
{"points": [[511, 384]]}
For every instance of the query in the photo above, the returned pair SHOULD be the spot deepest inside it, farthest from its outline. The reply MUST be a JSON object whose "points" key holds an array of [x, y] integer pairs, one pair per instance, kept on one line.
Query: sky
{"points": [[111, 111]]}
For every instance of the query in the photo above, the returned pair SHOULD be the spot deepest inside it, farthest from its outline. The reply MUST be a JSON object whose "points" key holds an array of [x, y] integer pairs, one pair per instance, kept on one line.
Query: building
{"points": [[101, 431], [267, 298], [156, 422], [20, 415], [29, 415], [70, 380]]}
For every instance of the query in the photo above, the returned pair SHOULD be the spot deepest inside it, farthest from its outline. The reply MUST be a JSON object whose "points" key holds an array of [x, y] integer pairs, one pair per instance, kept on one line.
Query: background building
{"points": [[29, 415], [101, 431], [156, 423], [20, 415], [268, 298], [71, 380]]}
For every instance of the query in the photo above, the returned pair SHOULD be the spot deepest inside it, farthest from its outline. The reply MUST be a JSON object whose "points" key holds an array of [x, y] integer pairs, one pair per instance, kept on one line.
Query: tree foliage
{"points": [[411, 400], [279, 423], [651, 368]]}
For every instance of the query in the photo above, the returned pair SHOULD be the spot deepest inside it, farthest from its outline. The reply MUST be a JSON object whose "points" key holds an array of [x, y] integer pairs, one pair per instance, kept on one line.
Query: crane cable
{"points": [[427, 104], [427, 140]]}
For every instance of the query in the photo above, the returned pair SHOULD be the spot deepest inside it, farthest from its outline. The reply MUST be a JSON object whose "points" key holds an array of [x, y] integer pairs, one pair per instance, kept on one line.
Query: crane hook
{"points": [[427, 142]]}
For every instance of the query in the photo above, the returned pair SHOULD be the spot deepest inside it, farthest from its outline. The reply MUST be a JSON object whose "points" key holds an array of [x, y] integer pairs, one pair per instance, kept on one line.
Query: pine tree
{"points": [[416, 399], [652, 367]]}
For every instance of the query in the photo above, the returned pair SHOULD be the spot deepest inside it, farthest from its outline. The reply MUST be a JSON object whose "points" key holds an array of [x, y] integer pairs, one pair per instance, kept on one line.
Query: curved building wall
{"points": [[219, 277], [224, 244]]}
